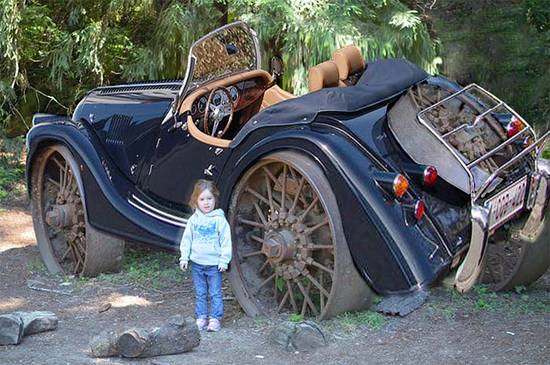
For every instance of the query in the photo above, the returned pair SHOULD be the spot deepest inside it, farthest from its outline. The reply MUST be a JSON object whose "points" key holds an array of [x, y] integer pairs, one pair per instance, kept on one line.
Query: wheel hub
{"points": [[279, 246], [61, 216]]}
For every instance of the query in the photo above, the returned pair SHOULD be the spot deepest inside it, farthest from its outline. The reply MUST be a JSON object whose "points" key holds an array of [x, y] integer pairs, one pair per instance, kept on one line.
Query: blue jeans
{"points": [[207, 279]]}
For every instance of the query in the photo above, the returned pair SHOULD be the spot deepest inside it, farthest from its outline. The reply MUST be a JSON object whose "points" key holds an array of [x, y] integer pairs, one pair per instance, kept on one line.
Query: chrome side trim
{"points": [[167, 215], [166, 220]]}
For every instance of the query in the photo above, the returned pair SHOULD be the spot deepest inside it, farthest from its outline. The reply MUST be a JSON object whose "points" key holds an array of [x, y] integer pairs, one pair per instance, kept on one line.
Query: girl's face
{"points": [[206, 201]]}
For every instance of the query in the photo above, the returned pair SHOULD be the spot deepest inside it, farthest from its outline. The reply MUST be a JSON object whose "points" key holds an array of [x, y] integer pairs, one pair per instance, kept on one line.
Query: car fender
{"points": [[107, 209], [388, 260]]}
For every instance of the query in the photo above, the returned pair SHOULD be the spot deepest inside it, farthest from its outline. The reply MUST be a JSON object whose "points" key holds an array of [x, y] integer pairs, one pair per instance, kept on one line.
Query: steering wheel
{"points": [[218, 112]]}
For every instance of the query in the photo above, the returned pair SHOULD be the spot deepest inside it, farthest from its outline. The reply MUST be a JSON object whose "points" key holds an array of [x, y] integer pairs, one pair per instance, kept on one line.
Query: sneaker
{"points": [[214, 325], [201, 323]]}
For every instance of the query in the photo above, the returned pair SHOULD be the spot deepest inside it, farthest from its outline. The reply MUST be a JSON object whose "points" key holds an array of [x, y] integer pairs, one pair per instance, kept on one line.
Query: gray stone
{"points": [[304, 336], [37, 321], [309, 336], [11, 329], [401, 304]]}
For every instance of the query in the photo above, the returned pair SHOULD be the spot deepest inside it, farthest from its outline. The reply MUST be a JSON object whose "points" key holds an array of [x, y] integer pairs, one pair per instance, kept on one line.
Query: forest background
{"points": [[54, 51]]}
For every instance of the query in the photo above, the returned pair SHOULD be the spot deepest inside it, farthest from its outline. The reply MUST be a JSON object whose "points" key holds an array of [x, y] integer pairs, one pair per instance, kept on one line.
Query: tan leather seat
{"points": [[350, 63], [323, 75]]}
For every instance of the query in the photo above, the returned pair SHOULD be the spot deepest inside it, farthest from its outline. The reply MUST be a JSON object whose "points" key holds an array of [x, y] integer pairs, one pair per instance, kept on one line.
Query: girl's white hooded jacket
{"points": [[207, 239]]}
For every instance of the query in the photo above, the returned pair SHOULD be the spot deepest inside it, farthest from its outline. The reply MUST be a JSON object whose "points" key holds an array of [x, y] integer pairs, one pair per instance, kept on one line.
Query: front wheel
{"points": [[289, 248], [65, 239]]}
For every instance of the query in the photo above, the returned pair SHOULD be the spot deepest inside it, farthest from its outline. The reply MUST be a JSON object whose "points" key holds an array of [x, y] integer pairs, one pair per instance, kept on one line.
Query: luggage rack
{"points": [[468, 165]]}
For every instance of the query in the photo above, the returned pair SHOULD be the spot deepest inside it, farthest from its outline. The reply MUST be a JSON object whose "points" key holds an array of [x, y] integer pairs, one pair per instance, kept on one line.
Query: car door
{"points": [[178, 162]]}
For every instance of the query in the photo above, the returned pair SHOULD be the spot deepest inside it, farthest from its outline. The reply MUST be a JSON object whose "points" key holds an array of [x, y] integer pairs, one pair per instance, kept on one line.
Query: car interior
{"points": [[217, 111]]}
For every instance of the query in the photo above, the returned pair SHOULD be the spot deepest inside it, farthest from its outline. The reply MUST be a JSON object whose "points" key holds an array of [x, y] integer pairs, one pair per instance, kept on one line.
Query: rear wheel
{"points": [[67, 242], [523, 257], [290, 252]]}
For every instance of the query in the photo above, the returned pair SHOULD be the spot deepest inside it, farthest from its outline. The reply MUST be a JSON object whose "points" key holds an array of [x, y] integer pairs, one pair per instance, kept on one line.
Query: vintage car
{"points": [[382, 179]]}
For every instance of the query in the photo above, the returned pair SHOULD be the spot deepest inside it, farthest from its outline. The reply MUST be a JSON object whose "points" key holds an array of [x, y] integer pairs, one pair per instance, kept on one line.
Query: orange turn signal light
{"points": [[400, 185]]}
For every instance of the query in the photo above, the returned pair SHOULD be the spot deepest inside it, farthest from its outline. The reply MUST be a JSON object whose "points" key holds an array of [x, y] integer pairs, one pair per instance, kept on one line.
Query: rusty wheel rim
{"points": [[63, 214], [284, 244]]}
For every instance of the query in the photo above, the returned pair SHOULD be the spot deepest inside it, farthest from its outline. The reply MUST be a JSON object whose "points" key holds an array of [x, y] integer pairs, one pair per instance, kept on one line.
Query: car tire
{"points": [[289, 248], [67, 242]]}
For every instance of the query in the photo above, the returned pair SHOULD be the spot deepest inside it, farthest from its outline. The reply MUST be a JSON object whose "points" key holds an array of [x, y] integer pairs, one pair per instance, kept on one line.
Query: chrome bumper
{"points": [[473, 264]]}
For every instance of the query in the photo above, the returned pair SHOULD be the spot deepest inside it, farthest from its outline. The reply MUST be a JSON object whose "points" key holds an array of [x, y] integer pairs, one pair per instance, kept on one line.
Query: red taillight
{"points": [[430, 176], [514, 127], [400, 185], [419, 209]]}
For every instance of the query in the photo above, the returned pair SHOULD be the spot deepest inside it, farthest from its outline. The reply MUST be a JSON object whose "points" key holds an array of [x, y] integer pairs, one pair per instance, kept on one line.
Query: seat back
{"points": [[350, 64], [323, 75]]}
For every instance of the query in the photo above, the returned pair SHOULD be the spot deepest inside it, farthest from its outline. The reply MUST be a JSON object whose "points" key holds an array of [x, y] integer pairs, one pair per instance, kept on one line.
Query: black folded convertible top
{"points": [[381, 80]]}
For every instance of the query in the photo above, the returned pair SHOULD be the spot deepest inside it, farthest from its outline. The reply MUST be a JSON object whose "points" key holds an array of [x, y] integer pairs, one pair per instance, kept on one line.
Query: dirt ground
{"points": [[482, 327]]}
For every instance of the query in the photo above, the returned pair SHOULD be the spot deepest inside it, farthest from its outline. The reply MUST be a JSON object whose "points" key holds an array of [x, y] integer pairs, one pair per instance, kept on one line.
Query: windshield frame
{"points": [[192, 60]]}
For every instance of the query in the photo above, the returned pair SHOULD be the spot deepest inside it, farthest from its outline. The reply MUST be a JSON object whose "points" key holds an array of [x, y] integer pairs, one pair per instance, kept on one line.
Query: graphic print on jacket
{"points": [[206, 233]]}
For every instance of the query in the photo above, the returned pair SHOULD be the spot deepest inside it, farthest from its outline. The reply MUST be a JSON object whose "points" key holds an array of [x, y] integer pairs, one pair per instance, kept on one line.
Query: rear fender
{"points": [[391, 259]]}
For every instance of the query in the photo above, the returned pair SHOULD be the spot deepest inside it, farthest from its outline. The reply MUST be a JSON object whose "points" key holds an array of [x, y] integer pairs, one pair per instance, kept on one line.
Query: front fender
{"points": [[104, 186], [390, 254]]}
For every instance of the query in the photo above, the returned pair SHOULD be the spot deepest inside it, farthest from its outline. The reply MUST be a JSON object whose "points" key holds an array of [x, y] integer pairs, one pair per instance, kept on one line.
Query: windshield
{"points": [[225, 51]]}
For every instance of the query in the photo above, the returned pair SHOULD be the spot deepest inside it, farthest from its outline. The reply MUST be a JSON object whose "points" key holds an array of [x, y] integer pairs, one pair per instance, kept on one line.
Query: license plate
{"points": [[507, 203]]}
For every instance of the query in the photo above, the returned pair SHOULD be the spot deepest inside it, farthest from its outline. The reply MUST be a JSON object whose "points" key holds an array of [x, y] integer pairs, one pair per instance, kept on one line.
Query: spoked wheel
{"points": [[289, 248], [522, 258], [66, 241]]}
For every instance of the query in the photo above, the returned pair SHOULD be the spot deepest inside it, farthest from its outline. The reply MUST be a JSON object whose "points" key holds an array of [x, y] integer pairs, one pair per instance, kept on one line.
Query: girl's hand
{"points": [[222, 267], [183, 265]]}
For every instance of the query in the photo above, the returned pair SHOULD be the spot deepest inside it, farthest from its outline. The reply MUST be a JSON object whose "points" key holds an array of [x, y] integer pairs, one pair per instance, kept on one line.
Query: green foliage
{"points": [[306, 33], [12, 168], [155, 269], [351, 322], [538, 14], [494, 46], [55, 51], [294, 317]]}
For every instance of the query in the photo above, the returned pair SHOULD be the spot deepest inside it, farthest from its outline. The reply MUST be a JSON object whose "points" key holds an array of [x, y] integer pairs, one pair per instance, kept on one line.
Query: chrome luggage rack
{"points": [[477, 192]]}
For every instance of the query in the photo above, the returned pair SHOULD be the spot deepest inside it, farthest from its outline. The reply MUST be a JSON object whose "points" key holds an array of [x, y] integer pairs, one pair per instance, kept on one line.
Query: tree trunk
{"points": [[176, 336]]}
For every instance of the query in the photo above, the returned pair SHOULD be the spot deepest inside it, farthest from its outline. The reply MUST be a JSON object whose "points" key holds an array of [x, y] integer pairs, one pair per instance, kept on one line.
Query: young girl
{"points": [[206, 242]]}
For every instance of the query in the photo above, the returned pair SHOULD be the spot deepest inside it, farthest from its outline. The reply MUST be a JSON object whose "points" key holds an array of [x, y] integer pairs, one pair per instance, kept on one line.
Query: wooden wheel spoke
{"points": [[251, 223], [311, 205], [271, 277], [56, 183], [321, 297], [257, 195], [297, 196], [283, 189], [65, 254], [270, 175], [322, 267], [283, 301], [291, 295], [310, 230], [255, 253], [317, 285], [260, 214], [257, 239], [262, 268], [269, 193], [307, 298]]}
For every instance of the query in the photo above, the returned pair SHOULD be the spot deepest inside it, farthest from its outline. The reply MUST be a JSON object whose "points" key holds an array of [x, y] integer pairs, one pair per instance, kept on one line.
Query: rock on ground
{"points": [[37, 321], [11, 329], [303, 336]]}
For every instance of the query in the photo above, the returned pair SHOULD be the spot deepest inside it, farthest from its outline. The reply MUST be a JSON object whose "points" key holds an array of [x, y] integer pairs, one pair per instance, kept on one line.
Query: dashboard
{"points": [[243, 94]]}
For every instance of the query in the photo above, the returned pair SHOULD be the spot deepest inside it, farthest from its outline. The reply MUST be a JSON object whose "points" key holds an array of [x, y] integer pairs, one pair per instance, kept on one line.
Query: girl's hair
{"points": [[200, 186]]}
